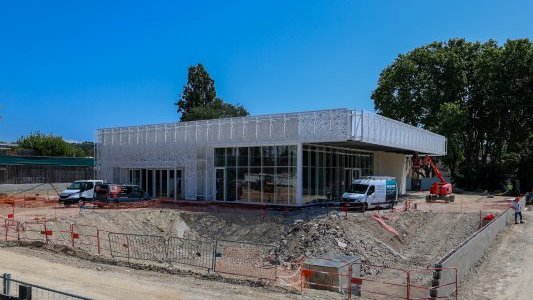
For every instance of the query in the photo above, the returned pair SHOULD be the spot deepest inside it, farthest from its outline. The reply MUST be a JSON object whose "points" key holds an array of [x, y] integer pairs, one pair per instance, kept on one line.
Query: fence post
{"points": [[72, 234], [128, 246], [408, 286], [215, 256], [24, 292], [98, 239], [45, 233], [350, 281], [167, 250], [7, 283], [110, 246], [5, 224], [456, 284]]}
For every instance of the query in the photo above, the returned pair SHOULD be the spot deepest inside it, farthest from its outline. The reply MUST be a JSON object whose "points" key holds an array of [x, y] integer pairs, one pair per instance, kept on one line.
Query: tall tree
{"points": [[479, 95], [199, 100]]}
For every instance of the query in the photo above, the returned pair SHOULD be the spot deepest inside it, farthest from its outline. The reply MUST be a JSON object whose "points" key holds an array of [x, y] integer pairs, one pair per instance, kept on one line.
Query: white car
{"points": [[81, 190]]}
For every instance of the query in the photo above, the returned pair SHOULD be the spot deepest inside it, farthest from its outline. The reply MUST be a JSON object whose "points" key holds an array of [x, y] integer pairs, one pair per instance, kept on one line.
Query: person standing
{"points": [[517, 210]]}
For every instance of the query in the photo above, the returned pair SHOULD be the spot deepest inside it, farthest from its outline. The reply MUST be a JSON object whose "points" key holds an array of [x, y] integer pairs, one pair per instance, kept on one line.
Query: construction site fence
{"points": [[240, 259], [352, 280], [245, 259], [20, 290]]}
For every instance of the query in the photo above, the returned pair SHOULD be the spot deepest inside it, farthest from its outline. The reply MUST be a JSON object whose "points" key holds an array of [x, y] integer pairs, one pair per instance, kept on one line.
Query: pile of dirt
{"points": [[424, 237]]}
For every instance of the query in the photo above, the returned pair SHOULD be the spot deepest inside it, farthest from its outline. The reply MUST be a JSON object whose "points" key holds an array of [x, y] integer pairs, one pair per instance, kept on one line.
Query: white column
{"points": [[175, 183], [299, 175]]}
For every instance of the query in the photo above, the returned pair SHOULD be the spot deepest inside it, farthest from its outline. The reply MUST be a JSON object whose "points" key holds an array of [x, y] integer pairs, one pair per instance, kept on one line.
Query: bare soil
{"points": [[425, 235]]}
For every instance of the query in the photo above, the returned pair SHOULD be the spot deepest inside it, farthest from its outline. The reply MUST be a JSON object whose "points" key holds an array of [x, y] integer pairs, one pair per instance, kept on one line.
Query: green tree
{"points": [[479, 95], [199, 100], [49, 145]]}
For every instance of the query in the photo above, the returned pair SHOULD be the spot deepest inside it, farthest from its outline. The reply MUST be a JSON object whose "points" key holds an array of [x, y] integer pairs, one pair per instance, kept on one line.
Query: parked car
{"points": [[81, 190], [117, 193]]}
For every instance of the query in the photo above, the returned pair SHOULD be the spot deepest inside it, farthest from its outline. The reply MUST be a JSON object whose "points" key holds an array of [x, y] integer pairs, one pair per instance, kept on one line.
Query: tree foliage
{"points": [[199, 100], [50, 145], [478, 95]]}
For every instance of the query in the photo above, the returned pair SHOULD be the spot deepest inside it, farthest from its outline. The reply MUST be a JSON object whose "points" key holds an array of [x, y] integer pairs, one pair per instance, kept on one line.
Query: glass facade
{"points": [[328, 172], [265, 174], [158, 183]]}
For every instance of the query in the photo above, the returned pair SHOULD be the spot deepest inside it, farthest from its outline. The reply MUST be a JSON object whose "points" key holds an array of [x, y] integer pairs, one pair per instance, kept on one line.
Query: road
{"points": [[507, 270]]}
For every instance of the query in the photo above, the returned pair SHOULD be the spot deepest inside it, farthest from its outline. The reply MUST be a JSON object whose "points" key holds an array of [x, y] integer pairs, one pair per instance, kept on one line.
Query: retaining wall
{"points": [[469, 253]]}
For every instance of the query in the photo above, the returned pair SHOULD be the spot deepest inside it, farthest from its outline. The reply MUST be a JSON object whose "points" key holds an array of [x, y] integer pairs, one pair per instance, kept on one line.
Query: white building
{"points": [[282, 159]]}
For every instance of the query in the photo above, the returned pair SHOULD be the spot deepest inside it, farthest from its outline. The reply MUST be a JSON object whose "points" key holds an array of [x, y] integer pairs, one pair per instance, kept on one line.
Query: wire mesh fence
{"points": [[190, 252], [138, 246], [246, 259]]}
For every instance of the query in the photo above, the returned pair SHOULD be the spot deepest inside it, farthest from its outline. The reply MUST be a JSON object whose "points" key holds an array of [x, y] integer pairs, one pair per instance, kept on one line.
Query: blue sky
{"points": [[70, 67]]}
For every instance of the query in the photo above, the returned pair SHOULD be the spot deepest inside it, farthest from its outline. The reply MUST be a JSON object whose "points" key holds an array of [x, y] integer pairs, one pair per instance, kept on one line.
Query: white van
{"points": [[77, 191], [372, 191]]}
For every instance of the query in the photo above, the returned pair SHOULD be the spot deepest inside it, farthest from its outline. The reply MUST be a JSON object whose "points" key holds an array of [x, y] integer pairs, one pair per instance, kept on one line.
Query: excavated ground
{"points": [[424, 237], [425, 234]]}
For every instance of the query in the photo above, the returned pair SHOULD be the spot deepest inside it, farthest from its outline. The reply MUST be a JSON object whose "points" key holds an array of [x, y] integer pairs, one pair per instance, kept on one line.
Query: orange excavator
{"points": [[439, 190]]}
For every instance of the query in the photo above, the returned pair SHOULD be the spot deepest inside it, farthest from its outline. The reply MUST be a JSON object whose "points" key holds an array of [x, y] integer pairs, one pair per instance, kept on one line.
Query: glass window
{"points": [[243, 157], [269, 155], [305, 158], [283, 156], [255, 180], [291, 181], [231, 184], [220, 157], [255, 156], [171, 181], [281, 184], [268, 185], [241, 184], [231, 157]]}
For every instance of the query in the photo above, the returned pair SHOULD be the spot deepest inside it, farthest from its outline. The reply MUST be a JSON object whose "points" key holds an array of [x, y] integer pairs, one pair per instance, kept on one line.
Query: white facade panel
{"points": [[189, 145]]}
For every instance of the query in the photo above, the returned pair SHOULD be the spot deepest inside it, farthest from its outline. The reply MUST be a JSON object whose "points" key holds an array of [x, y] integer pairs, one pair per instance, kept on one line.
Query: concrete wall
{"points": [[392, 164], [470, 252]]}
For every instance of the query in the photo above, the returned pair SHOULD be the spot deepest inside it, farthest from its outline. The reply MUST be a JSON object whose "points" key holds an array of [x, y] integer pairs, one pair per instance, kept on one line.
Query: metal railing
{"points": [[17, 289]]}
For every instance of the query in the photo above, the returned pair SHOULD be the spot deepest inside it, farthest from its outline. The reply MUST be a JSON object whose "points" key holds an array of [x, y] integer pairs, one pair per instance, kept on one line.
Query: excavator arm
{"points": [[429, 161]]}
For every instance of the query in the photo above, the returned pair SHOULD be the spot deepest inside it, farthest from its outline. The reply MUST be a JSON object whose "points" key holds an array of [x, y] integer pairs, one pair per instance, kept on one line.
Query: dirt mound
{"points": [[423, 238]]}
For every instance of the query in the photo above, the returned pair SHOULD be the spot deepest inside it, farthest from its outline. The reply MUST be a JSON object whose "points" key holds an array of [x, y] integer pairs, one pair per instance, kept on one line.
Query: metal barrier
{"points": [[246, 259], [87, 237], [60, 233], [11, 230], [33, 231], [24, 290], [391, 283], [190, 252], [137, 246], [419, 290], [243, 259]]}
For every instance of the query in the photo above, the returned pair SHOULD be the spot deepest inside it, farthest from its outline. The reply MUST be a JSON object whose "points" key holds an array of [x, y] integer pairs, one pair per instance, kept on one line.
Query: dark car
{"points": [[117, 193]]}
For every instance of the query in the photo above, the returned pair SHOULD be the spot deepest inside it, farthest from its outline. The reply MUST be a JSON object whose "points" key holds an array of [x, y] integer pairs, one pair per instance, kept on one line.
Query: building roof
{"points": [[339, 126], [47, 161]]}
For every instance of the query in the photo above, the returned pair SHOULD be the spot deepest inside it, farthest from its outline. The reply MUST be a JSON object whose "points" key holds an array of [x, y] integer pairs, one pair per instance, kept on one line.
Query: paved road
{"points": [[507, 270]]}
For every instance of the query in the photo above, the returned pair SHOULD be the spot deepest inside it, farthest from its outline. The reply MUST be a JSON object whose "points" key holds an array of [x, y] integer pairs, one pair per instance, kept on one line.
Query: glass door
{"points": [[220, 184]]}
